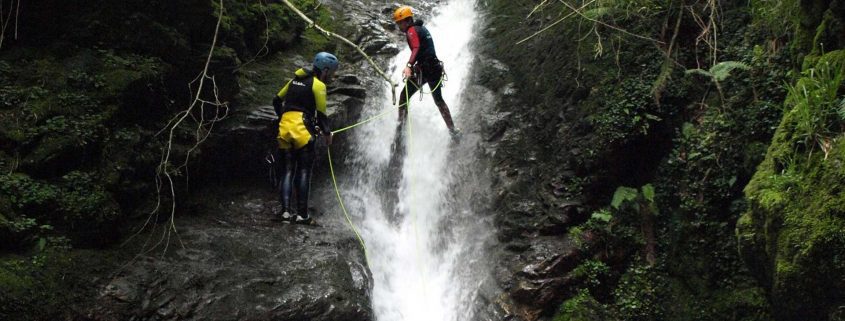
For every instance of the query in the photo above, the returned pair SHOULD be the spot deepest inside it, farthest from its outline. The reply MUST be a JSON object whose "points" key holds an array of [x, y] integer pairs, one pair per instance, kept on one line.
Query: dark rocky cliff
{"points": [[86, 88], [622, 140]]}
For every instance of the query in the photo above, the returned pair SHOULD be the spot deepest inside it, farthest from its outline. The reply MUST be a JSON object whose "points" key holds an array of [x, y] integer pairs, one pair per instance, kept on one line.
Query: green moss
{"points": [[12, 283], [738, 303], [581, 307], [779, 16], [49, 284], [27, 283], [118, 72], [795, 224]]}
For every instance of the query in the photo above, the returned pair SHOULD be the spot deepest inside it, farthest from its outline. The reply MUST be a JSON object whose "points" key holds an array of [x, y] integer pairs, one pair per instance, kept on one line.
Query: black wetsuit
{"points": [[301, 107], [427, 69]]}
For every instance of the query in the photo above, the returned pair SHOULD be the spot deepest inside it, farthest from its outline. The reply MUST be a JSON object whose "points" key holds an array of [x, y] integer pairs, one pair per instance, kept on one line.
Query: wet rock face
{"points": [[238, 147], [533, 254], [238, 264]]}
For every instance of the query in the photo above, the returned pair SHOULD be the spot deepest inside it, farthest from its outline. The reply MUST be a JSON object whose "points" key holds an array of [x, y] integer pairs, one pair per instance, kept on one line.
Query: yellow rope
{"points": [[345, 213], [410, 187], [411, 191], [382, 114], [363, 122]]}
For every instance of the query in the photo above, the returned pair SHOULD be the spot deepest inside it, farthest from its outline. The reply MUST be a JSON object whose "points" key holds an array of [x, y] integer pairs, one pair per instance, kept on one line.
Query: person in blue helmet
{"points": [[301, 108]]}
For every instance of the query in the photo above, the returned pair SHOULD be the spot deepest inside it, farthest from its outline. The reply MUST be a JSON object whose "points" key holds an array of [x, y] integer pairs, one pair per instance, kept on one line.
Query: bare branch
{"points": [[165, 169], [4, 21], [341, 38], [536, 8], [17, 15], [551, 25], [578, 11]]}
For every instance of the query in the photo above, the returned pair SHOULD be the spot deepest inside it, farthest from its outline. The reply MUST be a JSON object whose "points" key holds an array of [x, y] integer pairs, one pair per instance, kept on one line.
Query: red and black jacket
{"points": [[421, 44]]}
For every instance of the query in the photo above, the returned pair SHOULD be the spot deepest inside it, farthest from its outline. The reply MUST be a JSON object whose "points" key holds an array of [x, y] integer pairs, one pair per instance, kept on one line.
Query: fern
{"points": [[648, 192], [722, 70], [602, 215], [699, 72], [718, 73], [597, 13], [623, 194]]}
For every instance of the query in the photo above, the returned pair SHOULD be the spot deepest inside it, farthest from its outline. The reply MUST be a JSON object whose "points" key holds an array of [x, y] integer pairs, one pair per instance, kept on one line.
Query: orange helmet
{"points": [[402, 13]]}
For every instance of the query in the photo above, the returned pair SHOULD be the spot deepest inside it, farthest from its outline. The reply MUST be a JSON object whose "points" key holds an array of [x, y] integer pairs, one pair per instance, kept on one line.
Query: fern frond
{"points": [[699, 72], [722, 70], [597, 13]]}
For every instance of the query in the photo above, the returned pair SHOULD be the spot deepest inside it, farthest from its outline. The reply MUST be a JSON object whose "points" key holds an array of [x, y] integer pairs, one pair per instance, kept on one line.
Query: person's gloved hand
{"points": [[328, 139]]}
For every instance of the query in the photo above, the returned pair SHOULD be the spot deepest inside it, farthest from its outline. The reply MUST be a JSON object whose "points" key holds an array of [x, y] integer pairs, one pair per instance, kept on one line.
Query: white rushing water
{"points": [[426, 247]]}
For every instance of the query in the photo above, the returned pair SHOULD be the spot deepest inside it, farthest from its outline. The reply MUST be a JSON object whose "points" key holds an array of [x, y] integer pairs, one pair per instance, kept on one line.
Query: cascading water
{"points": [[425, 251]]}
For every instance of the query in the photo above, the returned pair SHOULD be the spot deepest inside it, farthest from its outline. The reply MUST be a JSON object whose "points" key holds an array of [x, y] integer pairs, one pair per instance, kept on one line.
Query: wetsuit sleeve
{"points": [[414, 43], [319, 89], [277, 101]]}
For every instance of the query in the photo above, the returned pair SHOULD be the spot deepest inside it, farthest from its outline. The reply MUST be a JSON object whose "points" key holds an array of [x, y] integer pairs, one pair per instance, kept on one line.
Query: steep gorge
{"points": [[640, 160]]}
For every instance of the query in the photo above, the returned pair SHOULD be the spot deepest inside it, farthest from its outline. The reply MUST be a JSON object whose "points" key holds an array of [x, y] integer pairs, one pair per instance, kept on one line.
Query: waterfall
{"points": [[425, 248]]}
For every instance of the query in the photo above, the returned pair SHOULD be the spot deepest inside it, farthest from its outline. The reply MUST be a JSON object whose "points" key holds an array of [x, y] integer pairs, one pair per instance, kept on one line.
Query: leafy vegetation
{"points": [[719, 72], [690, 112], [792, 232], [816, 105], [83, 94]]}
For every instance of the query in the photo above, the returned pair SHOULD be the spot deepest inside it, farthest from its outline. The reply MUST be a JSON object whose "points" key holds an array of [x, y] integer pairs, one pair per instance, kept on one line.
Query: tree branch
{"points": [[578, 11], [341, 38], [551, 25]]}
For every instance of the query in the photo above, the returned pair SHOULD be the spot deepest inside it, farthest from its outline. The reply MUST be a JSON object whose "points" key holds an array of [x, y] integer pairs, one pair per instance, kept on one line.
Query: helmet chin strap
{"points": [[323, 74]]}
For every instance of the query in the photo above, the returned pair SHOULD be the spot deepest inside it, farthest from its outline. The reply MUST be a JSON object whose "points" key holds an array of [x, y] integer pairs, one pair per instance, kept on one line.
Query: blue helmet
{"points": [[325, 61]]}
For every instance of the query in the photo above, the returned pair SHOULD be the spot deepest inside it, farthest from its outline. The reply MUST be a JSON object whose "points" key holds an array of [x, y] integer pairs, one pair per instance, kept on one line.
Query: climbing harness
{"points": [[420, 80]]}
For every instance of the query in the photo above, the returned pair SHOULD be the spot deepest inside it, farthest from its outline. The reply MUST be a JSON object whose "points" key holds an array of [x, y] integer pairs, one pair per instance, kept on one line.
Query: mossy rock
{"points": [[582, 307], [30, 289], [53, 284], [793, 236]]}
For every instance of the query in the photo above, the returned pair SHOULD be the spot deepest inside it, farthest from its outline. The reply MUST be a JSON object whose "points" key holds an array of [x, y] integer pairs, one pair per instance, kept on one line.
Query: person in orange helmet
{"points": [[422, 67]]}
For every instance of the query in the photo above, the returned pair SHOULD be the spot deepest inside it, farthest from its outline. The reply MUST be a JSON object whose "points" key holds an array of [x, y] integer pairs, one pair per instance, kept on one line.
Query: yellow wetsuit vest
{"points": [[304, 97]]}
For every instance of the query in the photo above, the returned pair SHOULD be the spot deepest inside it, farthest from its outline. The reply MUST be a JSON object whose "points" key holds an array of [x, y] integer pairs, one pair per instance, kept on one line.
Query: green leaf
{"points": [[596, 13], [687, 130], [699, 71], [602, 215], [622, 195], [648, 192], [42, 243], [722, 70]]}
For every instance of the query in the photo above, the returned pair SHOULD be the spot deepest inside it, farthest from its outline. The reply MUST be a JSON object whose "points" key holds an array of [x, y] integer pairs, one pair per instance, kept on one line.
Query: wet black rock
{"points": [[232, 262], [350, 90]]}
